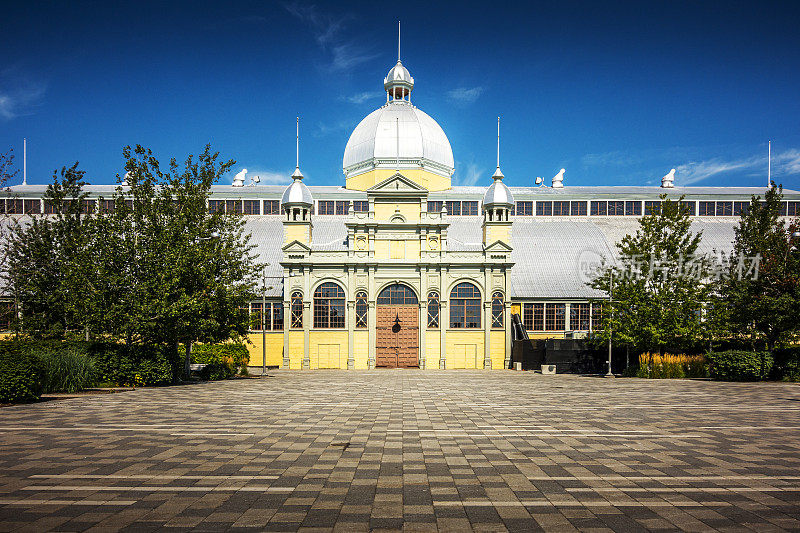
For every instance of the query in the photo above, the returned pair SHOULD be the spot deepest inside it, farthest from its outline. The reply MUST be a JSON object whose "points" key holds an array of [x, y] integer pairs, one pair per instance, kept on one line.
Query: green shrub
{"points": [[69, 369], [736, 365], [136, 365], [21, 375], [787, 364], [671, 366], [222, 360]]}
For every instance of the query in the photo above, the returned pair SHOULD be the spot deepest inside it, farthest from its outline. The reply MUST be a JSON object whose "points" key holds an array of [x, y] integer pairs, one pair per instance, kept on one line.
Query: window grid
{"points": [[533, 316], [297, 310], [329, 304], [435, 207], [524, 209], [272, 207], [740, 208], [544, 209], [32, 207], [216, 206], [554, 317], [599, 208], [724, 209], [793, 209], [233, 206], [465, 306], [706, 209], [579, 317], [578, 208], [560, 208], [361, 206], [616, 208], [689, 206], [433, 309], [498, 308], [597, 316], [469, 208], [361, 309], [252, 207], [342, 206], [397, 295], [325, 207], [453, 207], [652, 207]]}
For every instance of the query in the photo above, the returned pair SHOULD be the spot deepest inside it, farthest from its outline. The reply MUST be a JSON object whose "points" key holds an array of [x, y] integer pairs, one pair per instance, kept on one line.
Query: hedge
{"points": [[222, 360], [787, 364], [21, 376], [737, 365], [136, 365]]}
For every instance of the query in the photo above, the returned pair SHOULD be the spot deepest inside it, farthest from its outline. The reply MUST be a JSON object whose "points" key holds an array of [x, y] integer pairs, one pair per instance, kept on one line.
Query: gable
{"points": [[397, 185]]}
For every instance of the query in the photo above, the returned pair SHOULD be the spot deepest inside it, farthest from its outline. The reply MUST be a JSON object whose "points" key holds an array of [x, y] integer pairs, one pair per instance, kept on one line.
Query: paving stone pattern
{"points": [[407, 449]]}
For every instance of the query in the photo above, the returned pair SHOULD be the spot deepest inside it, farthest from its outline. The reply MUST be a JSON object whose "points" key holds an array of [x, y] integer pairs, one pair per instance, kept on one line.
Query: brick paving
{"points": [[407, 449]]}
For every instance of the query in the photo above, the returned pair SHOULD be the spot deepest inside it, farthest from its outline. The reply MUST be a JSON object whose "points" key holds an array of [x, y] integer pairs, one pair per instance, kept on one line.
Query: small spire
{"points": [[498, 174], [297, 175], [398, 41]]}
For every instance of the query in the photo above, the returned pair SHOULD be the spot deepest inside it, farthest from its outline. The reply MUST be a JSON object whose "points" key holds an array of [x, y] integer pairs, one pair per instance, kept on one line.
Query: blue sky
{"points": [[616, 93]]}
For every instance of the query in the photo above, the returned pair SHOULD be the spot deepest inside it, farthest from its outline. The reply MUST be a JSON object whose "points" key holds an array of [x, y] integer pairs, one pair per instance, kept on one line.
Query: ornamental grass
{"points": [[670, 366]]}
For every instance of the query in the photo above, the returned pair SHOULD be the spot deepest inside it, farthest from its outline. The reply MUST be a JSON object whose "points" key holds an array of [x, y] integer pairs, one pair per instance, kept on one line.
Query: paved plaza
{"points": [[407, 449]]}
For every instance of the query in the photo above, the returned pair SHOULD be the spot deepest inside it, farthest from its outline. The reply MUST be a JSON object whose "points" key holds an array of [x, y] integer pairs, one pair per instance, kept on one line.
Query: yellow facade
{"points": [[398, 250], [360, 350], [409, 211], [274, 349], [297, 232], [432, 349], [497, 349], [493, 233], [295, 350], [328, 349], [464, 349], [429, 180]]}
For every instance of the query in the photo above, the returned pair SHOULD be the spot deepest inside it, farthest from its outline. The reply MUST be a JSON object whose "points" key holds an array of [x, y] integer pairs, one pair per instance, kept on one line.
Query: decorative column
{"points": [[423, 323], [444, 321], [351, 322], [306, 334], [487, 329], [287, 325]]}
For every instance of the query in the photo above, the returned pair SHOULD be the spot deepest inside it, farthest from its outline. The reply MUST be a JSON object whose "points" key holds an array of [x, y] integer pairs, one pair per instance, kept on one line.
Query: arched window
{"points": [[498, 308], [297, 310], [433, 309], [361, 309], [465, 306], [329, 306], [397, 295]]}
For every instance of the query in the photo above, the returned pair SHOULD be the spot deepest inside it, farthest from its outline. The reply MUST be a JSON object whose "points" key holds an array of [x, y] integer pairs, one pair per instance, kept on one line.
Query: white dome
{"points": [[297, 193], [422, 141], [498, 194], [398, 75]]}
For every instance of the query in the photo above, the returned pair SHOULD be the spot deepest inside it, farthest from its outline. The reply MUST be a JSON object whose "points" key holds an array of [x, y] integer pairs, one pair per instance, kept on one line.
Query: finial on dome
{"points": [[398, 82], [398, 41], [297, 175], [498, 174]]}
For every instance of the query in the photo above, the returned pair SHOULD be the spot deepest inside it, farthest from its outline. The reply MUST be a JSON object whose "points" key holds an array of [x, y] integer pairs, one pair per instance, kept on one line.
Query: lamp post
{"points": [[263, 322], [610, 374]]}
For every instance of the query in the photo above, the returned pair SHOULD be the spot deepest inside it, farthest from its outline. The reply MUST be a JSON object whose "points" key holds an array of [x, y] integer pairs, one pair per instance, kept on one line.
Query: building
{"points": [[400, 269]]}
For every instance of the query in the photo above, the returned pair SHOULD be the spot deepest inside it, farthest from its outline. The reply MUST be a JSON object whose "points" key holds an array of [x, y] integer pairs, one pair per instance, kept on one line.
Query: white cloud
{"points": [[19, 95], [328, 31], [360, 98], [267, 176], [696, 171], [471, 175], [464, 95]]}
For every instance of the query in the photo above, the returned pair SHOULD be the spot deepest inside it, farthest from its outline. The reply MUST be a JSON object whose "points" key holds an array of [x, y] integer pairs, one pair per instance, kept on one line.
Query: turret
{"points": [[497, 205], [296, 205]]}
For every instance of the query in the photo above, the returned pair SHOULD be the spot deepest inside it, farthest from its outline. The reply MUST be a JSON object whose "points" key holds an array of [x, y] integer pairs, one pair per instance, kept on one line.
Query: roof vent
{"points": [[558, 180], [238, 179], [668, 181]]}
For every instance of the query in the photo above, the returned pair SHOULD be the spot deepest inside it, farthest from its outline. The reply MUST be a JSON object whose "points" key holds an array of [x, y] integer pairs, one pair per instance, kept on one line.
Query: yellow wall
{"points": [[328, 349], [296, 350], [403, 250], [397, 249], [497, 349], [464, 349], [296, 232], [545, 335], [409, 210], [516, 309], [432, 349], [429, 180], [497, 233], [274, 348], [360, 350]]}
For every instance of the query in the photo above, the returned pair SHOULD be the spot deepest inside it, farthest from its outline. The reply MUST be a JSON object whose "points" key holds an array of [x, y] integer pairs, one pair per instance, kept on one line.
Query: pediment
{"points": [[296, 247], [397, 184], [498, 246]]}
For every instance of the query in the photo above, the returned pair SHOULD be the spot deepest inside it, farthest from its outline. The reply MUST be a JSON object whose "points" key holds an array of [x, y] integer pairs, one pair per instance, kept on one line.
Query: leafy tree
{"points": [[659, 286], [760, 296], [49, 261]]}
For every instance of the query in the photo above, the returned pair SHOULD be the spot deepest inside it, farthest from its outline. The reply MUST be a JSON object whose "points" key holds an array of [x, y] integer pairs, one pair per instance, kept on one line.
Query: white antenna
{"points": [[24, 161], [498, 142], [769, 164], [398, 41], [297, 148]]}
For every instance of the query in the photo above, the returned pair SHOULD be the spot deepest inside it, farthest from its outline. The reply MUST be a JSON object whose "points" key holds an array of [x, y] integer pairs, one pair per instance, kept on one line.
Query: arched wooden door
{"points": [[397, 336]]}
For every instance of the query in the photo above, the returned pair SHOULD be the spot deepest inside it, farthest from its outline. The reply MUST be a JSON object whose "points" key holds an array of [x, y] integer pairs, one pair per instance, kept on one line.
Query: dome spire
{"points": [[498, 174], [297, 175], [398, 83], [398, 41]]}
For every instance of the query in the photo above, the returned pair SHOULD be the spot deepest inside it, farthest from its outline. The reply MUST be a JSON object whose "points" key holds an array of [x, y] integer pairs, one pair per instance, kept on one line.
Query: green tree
{"points": [[760, 296], [49, 260], [659, 285]]}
